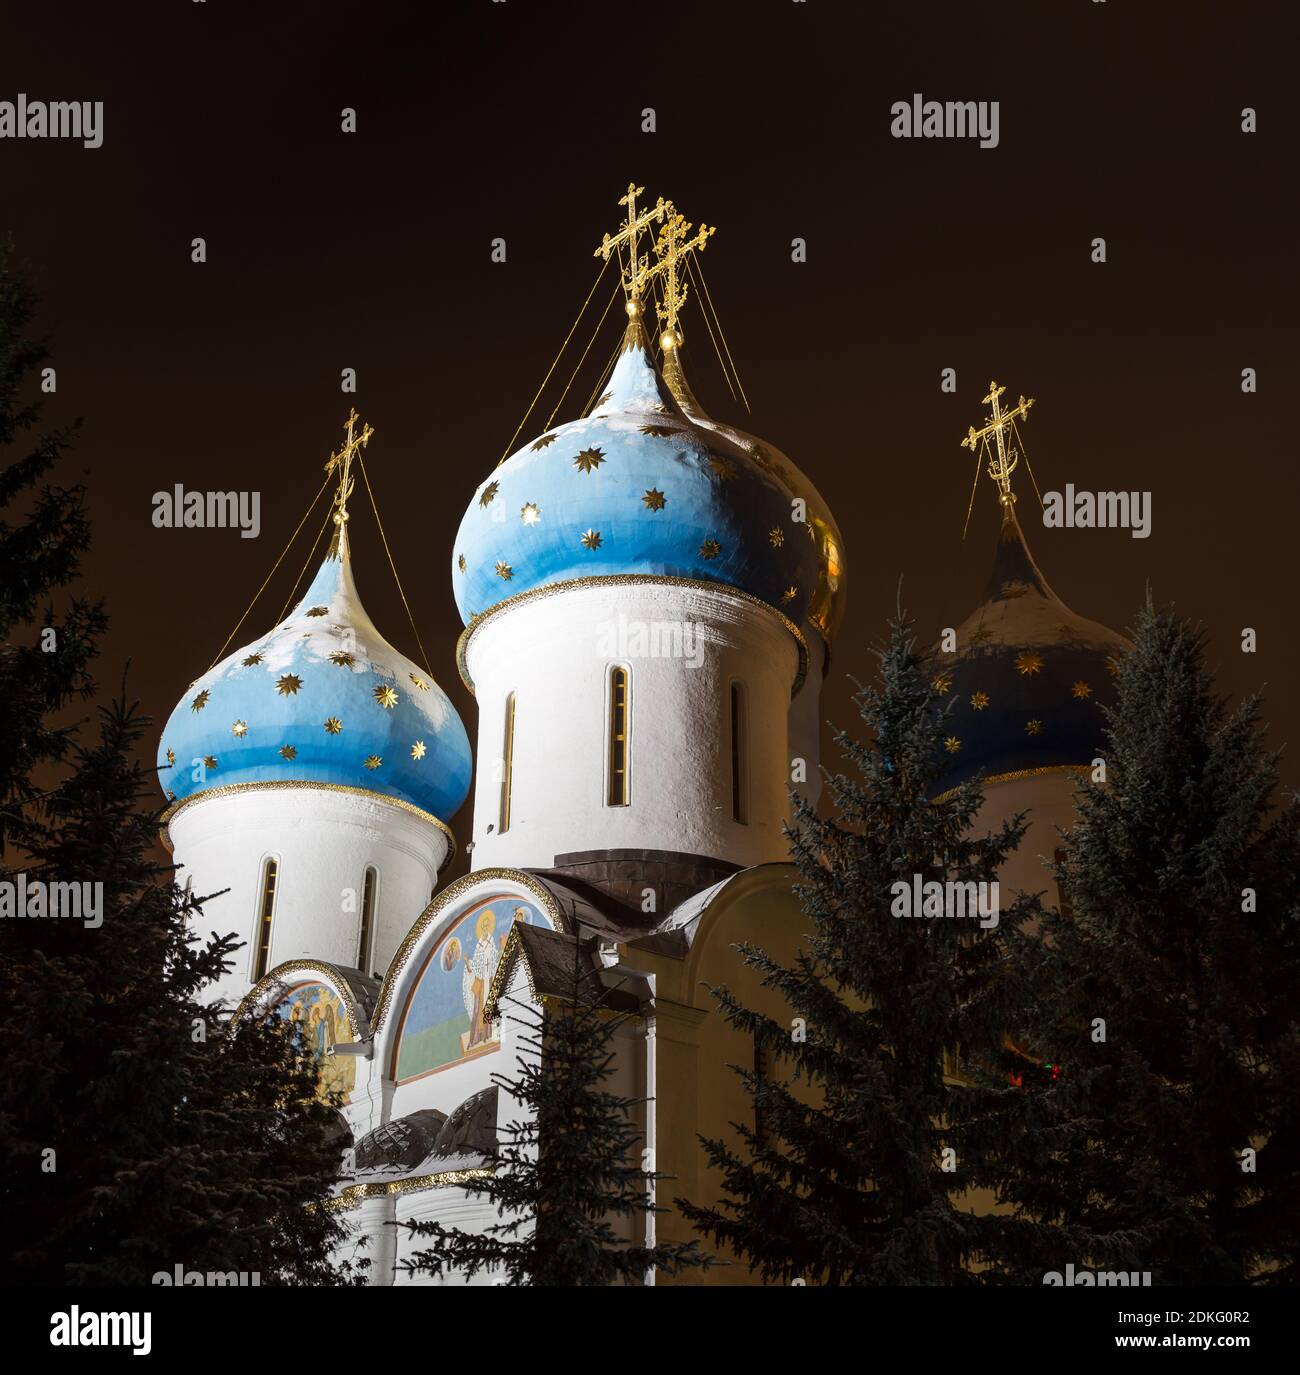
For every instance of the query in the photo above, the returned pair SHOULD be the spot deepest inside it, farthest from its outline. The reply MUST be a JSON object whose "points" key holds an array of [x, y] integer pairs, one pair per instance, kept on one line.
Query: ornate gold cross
{"points": [[1004, 464], [341, 462], [632, 227], [675, 241]]}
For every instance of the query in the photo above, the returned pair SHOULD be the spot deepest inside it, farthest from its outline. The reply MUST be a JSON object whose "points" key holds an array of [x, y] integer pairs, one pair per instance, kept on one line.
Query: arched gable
{"points": [[328, 1004], [434, 1003]]}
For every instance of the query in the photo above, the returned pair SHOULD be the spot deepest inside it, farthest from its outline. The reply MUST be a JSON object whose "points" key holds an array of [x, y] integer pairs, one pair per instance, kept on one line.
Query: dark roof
{"points": [[559, 966], [1029, 677], [472, 1127], [402, 1143]]}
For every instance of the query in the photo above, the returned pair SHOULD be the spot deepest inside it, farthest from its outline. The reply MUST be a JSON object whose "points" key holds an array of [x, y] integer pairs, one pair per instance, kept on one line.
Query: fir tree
{"points": [[136, 1133], [39, 554], [867, 1146], [1165, 991], [570, 1165]]}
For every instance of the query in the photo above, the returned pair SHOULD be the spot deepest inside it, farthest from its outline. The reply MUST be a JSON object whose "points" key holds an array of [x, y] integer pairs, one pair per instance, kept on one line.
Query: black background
{"points": [[520, 120]]}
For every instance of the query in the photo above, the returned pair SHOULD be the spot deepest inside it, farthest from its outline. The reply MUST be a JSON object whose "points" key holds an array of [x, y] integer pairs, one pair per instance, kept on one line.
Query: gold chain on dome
{"points": [[319, 492], [1002, 463], [558, 356], [306, 564], [424, 658]]}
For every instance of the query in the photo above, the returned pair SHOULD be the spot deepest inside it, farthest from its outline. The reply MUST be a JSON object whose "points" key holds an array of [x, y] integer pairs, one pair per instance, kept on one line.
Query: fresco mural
{"points": [[444, 1022], [324, 1020]]}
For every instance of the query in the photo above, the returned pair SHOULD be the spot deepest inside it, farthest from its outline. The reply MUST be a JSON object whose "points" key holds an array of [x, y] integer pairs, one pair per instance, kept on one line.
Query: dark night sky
{"points": [[523, 120]]}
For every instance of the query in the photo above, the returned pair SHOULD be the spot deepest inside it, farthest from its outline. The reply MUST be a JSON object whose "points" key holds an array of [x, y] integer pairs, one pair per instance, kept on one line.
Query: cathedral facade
{"points": [[650, 600]]}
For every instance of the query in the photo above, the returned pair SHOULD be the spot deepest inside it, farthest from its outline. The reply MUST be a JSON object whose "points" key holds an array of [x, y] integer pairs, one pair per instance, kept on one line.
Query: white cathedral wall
{"points": [[1049, 800], [322, 842], [556, 653], [806, 722]]}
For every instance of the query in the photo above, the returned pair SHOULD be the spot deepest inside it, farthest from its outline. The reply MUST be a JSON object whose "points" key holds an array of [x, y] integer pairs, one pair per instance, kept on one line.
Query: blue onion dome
{"points": [[825, 610], [1029, 676], [322, 698], [637, 487]]}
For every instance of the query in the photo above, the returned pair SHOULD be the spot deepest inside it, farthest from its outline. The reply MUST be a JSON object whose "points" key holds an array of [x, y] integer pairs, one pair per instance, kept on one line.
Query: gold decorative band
{"points": [[230, 789], [554, 589], [274, 978], [1080, 769], [355, 1193]]}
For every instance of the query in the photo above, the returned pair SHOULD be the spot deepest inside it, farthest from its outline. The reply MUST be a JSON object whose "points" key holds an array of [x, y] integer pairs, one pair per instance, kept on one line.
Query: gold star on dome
{"points": [[952, 744], [1112, 667], [657, 431], [1034, 727], [488, 492], [418, 750], [776, 537], [288, 685], [504, 571], [1027, 663], [209, 761], [251, 660], [980, 634], [979, 700], [942, 682], [1081, 690], [460, 562], [342, 658], [171, 756], [530, 513], [418, 681], [543, 442], [333, 725], [723, 468], [373, 761], [591, 539], [602, 400], [386, 696], [790, 594], [654, 499], [589, 460], [710, 549], [239, 728], [288, 752], [319, 611], [200, 701]]}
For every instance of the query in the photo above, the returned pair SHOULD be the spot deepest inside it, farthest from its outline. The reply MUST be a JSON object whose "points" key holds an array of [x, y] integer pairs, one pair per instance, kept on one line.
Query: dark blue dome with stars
{"points": [[635, 487], [1028, 678]]}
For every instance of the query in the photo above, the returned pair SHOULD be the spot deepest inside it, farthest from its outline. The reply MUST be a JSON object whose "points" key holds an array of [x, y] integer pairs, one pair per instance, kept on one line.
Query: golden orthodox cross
{"points": [[674, 243], [341, 462], [636, 221], [1001, 467]]}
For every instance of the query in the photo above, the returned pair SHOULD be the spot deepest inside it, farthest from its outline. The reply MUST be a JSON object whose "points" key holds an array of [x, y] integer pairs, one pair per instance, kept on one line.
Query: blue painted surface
{"points": [[715, 492], [300, 647]]}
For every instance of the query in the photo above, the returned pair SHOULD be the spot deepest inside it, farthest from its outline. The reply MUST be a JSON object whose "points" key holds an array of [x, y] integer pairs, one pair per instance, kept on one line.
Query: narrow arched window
{"points": [[265, 910], [619, 687], [507, 764], [739, 811], [367, 919]]}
